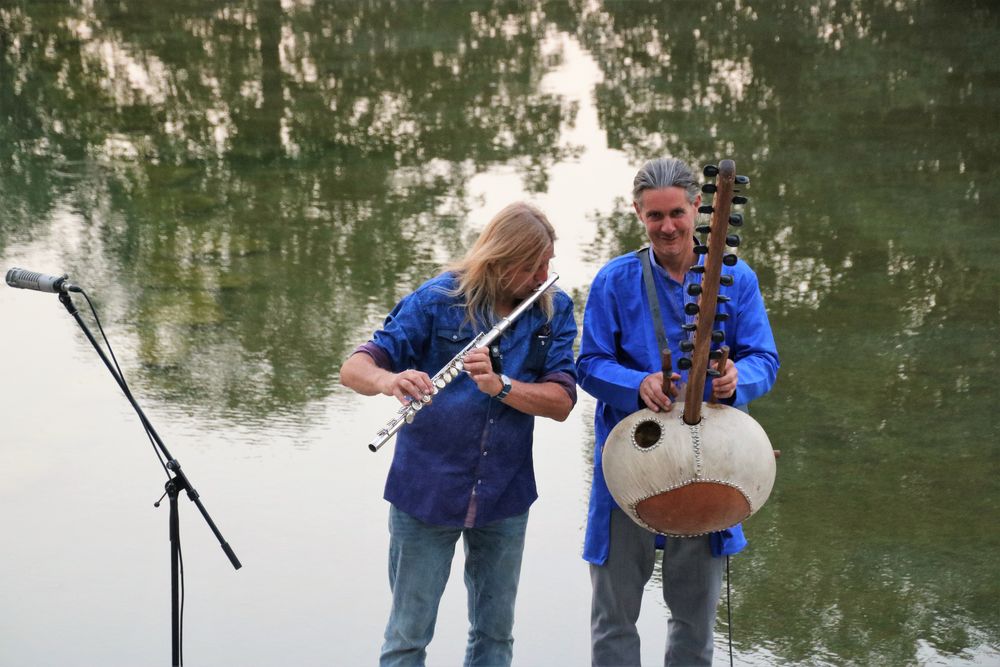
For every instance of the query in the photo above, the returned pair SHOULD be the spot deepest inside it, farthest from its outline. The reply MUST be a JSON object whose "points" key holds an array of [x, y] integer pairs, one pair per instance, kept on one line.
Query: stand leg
{"points": [[175, 558]]}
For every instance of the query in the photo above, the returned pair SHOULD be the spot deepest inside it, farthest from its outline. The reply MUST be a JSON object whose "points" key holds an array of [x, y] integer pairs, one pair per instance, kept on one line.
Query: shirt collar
{"points": [[699, 260]]}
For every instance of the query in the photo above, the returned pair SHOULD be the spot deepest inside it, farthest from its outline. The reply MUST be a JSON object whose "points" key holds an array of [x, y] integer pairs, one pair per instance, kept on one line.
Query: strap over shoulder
{"points": [[654, 301]]}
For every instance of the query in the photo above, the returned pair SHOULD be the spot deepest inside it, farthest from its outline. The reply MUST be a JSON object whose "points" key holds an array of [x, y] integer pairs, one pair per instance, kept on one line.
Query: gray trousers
{"points": [[692, 581]]}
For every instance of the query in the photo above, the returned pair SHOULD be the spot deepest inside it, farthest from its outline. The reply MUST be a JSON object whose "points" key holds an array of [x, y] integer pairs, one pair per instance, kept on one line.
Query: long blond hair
{"points": [[519, 234]]}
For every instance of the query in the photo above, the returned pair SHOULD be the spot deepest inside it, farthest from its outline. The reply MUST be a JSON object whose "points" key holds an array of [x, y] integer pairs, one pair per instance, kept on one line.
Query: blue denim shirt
{"points": [[619, 349], [465, 441]]}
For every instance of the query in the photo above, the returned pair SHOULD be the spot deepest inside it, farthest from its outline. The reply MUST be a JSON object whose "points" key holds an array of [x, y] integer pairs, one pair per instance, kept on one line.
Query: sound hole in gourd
{"points": [[647, 434]]}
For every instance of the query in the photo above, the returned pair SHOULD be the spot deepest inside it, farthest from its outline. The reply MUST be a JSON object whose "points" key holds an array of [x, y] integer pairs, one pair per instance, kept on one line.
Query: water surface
{"points": [[246, 188]]}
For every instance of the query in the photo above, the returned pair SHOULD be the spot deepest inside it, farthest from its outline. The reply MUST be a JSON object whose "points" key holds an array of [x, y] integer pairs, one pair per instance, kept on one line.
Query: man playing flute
{"points": [[463, 467]]}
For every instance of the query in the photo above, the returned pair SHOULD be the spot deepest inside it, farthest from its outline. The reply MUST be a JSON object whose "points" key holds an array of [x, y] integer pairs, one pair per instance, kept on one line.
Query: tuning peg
{"points": [[742, 180], [701, 249], [736, 219], [713, 373], [718, 336], [706, 208], [740, 199], [715, 354], [709, 188], [703, 229], [684, 364], [686, 345], [691, 326], [691, 309], [710, 171], [698, 268], [726, 280], [721, 317], [729, 259], [733, 240], [694, 289]]}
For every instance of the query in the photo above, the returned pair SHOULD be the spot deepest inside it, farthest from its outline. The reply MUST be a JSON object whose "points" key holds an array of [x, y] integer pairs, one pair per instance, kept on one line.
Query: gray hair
{"points": [[665, 172]]}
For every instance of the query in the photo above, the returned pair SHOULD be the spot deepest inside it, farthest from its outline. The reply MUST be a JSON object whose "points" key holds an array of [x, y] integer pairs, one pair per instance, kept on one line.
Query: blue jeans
{"points": [[420, 558]]}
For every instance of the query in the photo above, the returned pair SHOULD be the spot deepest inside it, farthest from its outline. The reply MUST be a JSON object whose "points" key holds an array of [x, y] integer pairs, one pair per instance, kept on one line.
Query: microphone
{"points": [[24, 279]]}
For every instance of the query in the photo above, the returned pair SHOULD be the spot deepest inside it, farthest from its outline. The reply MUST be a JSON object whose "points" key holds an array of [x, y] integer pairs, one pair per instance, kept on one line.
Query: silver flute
{"points": [[454, 368]]}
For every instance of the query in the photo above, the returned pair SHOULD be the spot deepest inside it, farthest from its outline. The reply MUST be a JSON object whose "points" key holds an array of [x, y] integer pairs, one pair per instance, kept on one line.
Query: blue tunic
{"points": [[465, 441], [619, 349]]}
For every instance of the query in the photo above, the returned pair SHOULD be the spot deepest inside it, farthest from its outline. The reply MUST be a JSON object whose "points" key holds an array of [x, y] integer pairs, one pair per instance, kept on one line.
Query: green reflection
{"points": [[272, 179], [253, 184], [870, 154]]}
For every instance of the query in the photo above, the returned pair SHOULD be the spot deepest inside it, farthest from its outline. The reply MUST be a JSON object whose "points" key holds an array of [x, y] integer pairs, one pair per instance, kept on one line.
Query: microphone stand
{"points": [[175, 484]]}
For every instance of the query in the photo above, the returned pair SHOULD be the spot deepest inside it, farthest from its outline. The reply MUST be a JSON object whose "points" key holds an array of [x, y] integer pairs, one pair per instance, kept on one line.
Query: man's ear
{"points": [[638, 212]]}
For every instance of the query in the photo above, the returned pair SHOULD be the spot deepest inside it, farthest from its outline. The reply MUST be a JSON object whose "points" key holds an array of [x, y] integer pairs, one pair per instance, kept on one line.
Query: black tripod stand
{"points": [[177, 481]]}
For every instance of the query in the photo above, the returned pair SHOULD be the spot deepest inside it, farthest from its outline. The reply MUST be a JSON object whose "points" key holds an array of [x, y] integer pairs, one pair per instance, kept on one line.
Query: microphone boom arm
{"points": [[180, 478]]}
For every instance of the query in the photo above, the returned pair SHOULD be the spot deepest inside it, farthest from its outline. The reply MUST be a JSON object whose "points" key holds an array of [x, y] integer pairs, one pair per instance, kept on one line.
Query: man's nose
{"points": [[667, 226]]}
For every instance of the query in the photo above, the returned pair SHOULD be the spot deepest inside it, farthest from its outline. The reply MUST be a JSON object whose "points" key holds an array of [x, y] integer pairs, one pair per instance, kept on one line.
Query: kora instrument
{"points": [[702, 467]]}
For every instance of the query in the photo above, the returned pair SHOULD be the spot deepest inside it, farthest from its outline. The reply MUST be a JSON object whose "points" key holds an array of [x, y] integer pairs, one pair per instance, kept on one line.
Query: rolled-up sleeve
{"points": [[404, 332], [559, 366]]}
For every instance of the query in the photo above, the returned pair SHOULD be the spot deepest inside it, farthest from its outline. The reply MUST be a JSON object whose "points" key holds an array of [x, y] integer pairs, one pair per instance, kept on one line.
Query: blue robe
{"points": [[619, 349]]}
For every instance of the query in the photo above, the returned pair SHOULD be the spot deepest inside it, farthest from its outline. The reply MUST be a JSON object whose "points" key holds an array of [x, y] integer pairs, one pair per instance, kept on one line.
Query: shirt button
{"points": [[479, 481], [484, 453], [454, 336]]}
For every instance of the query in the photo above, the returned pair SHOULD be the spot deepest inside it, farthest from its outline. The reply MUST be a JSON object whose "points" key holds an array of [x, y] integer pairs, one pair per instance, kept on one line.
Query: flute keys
{"points": [[441, 382]]}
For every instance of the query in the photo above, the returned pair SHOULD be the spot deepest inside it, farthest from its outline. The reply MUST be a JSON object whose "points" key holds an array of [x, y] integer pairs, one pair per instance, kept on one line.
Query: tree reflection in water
{"points": [[268, 177], [852, 149]]}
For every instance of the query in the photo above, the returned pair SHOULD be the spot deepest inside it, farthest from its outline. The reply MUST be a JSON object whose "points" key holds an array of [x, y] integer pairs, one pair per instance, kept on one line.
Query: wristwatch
{"points": [[506, 388]]}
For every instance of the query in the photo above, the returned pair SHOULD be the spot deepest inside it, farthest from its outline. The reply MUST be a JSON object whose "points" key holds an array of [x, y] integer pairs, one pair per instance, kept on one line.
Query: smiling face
{"points": [[669, 219]]}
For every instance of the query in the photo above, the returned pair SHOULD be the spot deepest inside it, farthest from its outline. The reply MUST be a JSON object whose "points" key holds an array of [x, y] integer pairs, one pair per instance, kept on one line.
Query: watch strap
{"points": [[505, 389]]}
